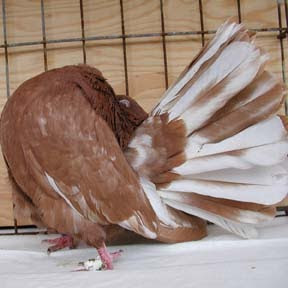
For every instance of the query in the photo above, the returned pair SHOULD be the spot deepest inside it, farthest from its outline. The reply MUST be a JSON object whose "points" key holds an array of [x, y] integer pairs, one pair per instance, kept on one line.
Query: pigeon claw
{"points": [[103, 262], [108, 258], [59, 243]]}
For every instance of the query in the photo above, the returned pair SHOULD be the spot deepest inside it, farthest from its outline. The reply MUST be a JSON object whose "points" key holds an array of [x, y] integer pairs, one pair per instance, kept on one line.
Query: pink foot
{"points": [[59, 243], [108, 258], [104, 263]]}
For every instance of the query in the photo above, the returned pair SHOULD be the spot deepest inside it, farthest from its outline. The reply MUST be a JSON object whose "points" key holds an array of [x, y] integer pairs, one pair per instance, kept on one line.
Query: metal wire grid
{"points": [[282, 34]]}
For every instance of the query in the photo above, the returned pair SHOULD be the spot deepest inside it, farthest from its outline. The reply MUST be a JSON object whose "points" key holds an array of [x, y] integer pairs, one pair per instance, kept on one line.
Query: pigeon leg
{"points": [[59, 243], [106, 257]]}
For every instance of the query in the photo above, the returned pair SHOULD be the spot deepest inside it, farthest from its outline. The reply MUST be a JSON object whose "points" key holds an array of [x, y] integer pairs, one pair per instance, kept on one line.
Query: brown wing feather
{"points": [[64, 140]]}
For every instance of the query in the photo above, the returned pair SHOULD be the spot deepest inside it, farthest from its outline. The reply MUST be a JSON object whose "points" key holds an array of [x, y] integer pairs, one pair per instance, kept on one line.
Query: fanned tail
{"points": [[214, 146]]}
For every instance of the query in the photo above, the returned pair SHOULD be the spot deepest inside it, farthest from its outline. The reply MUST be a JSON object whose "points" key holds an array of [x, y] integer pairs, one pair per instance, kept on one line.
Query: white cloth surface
{"points": [[219, 260]]}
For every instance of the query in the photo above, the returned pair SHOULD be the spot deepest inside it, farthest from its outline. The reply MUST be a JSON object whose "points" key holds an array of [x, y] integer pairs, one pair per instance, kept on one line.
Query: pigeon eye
{"points": [[125, 102]]}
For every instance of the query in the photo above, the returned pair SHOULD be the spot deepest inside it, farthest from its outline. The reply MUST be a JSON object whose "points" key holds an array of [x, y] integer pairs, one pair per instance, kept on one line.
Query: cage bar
{"points": [[164, 45], [82, 31], [133, 35], [281, 36], [239, 11], [202, 32], [5, 46], [44, 35], [123, 36]]}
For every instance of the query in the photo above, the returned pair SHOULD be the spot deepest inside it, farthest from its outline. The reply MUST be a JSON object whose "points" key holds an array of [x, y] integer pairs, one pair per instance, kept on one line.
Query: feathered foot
{"points": [[59, 243]]}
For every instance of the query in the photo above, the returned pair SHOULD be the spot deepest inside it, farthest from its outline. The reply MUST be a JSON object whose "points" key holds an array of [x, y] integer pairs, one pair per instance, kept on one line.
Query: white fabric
{"points": [[219, 260]]}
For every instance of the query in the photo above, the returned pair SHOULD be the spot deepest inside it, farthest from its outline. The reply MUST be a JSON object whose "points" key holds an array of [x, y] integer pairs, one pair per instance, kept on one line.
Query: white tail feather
{"points": [[225, 32], [265, 132], [257, 175], [156, 202], [216, 97], [261, 194], [241, 229], [265, 155], [242, 215], [240, 52], [262, 84]]}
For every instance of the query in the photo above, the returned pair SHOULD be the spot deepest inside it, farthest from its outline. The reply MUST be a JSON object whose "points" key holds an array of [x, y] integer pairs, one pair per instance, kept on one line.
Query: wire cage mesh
{"points": [[164, 35]]}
